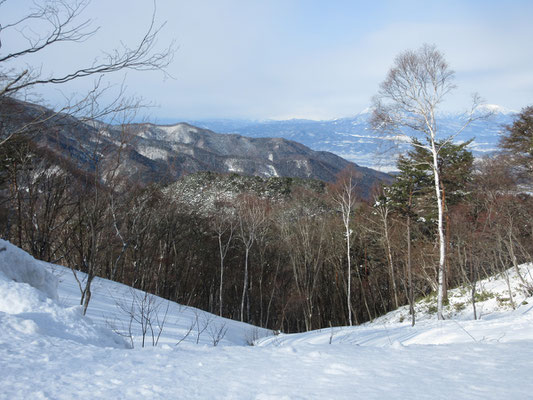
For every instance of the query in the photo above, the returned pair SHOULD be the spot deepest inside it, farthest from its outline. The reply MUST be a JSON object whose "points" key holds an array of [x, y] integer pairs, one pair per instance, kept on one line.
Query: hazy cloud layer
{"points": [[313, 59]]}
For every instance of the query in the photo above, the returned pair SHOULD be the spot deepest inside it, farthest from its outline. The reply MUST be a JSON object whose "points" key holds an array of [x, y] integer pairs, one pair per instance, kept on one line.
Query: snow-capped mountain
{"points": [[353, 139], [194, 149], [148, 153]]}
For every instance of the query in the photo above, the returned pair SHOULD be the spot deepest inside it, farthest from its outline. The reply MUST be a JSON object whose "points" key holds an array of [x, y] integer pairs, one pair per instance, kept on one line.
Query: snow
{"points": [[233, 165], [492, 300], [301, 164], [182, 133], [152, 152], [494, 108], [48, 350], [271, 170], [19, 266], [29, 309]]}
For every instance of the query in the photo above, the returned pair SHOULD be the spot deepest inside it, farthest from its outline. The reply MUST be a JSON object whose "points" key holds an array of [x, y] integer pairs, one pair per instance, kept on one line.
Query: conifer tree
{"points": [[518, 141]]}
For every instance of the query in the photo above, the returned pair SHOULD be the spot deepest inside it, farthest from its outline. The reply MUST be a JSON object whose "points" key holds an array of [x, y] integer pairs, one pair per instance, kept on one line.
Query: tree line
{"points": [[313, 256]]}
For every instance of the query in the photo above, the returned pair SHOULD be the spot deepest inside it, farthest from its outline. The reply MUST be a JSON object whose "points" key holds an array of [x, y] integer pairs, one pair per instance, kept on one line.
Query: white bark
{"points": [[406, 105], [349, 289], [346, 199], [440, 223], [252, 216]]}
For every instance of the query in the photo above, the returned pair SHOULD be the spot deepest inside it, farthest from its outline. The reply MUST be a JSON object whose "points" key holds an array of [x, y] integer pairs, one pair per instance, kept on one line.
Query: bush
{"points": [[483, 296]]}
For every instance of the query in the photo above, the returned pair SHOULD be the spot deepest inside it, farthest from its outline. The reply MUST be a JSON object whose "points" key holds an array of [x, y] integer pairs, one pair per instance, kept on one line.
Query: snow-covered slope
{"points": [[497, 321], [29, 309], [49, 351], [112, 305]]}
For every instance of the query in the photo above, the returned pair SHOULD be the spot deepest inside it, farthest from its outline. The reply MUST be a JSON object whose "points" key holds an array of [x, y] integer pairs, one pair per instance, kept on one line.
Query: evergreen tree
{"points": [[518, 141], [411, 194], [455, 164]]}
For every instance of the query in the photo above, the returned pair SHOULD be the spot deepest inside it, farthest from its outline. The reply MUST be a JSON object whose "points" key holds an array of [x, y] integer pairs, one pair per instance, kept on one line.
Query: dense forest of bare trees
{"points": [[309, 258]]}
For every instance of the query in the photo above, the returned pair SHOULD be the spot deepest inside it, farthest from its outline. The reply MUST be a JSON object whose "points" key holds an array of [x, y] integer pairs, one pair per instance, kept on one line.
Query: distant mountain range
{"points": [[353, 139], [182, 148], [149, 153]]}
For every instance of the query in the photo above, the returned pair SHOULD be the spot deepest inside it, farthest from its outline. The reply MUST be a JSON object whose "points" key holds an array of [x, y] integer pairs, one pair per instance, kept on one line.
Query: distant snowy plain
{"points": [[354, 139], [48, 350]]}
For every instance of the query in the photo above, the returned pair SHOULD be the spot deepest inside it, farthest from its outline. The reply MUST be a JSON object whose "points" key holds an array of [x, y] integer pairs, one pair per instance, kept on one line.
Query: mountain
{"points": [[353, 139], [183, 148], [150, 153]]}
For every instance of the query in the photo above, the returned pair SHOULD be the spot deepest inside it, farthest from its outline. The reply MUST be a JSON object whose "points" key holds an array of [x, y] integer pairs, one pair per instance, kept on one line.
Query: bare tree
{"points": [[304, 239], [345, 197], [383, 210], [252, 217], [223, 225], [216, 332], [144, 310], [407, 104], [50, 23]]}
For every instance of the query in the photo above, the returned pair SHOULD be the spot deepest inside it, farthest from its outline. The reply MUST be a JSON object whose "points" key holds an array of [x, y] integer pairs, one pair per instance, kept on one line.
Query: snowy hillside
{"points": [[48, 350], [496, 322]]}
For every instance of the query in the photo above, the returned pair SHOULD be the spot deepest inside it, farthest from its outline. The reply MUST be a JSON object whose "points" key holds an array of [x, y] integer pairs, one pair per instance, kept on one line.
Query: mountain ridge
{"points": [[162, 153]]}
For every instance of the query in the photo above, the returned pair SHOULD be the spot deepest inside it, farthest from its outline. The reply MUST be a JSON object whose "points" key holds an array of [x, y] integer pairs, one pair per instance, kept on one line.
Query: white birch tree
{"points": [[223, 224], [406, 105], [345, 197], [252, 215]]}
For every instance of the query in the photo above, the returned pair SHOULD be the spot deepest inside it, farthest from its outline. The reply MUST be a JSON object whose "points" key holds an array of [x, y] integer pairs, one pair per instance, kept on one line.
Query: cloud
{"points": [[308, 59]]}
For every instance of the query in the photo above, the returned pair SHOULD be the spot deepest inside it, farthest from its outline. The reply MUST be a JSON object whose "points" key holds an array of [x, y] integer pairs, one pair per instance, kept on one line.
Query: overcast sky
{"points": [[304, 59]]}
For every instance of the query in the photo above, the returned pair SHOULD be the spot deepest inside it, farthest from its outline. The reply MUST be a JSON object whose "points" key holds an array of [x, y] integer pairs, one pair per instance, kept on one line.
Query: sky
{"points": [[282, 59]]}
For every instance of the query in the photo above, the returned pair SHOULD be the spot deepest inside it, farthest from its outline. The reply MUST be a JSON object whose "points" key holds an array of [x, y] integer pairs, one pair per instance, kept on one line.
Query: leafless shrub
{"points": [[191, 327], [217, 332], [252, 336], [145, 310], [122, 329], [201, 326]]}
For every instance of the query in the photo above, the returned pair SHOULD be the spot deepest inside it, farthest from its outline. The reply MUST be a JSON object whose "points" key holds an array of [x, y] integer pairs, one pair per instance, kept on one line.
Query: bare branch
{"points": [[62, 18], [52, 22]]}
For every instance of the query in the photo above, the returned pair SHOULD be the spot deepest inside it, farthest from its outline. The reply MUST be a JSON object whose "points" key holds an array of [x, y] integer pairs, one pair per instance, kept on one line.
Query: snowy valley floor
{"points": [[49, 351]]}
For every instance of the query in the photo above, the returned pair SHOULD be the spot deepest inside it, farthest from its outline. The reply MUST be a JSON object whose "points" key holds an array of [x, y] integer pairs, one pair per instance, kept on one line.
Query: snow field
{"points": [[48, 350]]}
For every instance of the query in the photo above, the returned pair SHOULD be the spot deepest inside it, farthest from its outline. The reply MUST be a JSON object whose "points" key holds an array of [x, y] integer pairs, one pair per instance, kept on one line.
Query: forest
{"points": [[282, 253]]}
